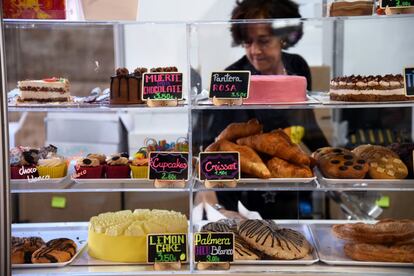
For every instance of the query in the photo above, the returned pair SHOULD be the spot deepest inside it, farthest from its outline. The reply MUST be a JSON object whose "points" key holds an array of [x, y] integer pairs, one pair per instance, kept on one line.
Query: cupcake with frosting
{"points": [[88, 167], [102, 161], [117, 166], [23, 161], [139, 165], [53, 166]]}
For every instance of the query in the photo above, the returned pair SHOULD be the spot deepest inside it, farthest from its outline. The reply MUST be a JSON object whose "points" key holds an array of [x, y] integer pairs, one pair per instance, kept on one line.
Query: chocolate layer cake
{"points": [[125, 87], [46, 90], [351, 8], [368, 88]]}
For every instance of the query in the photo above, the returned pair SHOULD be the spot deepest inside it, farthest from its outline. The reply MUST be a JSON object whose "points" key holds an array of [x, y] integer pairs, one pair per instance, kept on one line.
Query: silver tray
{"points": [[331, 252], [277, 180], [78, 234], [323, 98], [308, 260]]}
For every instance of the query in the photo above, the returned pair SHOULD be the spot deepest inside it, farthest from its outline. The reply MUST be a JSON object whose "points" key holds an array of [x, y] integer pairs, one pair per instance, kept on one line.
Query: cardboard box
{"points": [[110, 9]]}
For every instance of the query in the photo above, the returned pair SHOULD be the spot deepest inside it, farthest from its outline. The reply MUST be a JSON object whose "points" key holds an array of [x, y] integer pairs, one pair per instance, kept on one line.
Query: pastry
{"points": [[101, 157], [88, 168], [276, 143], [280, 168], [126, 87], [274, 89], [250, 162], [325, 150], [279, 243], [342, 165], [46, 90], [22, 249], [53, 166], [241, 249], [238, 130], [368, 88], [382, 232], [55, 251], [139, 165], [23, 162], [405, 152], [351, 8], [118, 166], [121, 236], [403, 253]]}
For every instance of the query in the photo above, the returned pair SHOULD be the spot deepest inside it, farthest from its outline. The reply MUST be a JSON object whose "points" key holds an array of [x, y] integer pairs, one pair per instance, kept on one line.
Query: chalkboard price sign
{"points": [[219, 166], [214, 247], [166, 248], [409, 81], [162, 86], [168, 165], [397, 3], [230, 84]]}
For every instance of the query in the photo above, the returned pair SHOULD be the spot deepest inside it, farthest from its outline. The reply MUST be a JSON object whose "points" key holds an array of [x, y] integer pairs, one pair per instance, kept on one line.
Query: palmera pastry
{"points": [[280, 168], [383, 232], [55, 251], [402, 253], [22, 249], [276, 143], [279, 243], [238, 130], [241, 249], [250, 162]]}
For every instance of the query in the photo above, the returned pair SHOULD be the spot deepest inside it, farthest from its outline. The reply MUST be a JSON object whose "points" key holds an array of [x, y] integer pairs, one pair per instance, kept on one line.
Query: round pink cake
{"points": [[273, 89]]}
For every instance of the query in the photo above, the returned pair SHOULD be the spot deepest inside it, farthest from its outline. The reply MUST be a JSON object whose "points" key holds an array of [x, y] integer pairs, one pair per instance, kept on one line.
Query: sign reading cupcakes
{"points": [[396, 3], [409, 81], [166, 248], [230, 84], [168, 165], [213, 247], [162, 86], [217, 166]]}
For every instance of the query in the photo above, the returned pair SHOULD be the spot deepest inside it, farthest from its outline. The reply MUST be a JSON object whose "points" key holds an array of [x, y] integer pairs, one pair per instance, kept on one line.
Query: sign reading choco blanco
{"points": [[168, 165], [162, 86], [219, 166], [396, 3], [167, 248], [230, 84], [214, 247], [409, 81]]}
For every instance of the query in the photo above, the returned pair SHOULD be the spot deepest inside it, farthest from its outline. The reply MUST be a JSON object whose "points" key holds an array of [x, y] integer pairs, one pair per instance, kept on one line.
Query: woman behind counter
{"points": [[265, 56]]}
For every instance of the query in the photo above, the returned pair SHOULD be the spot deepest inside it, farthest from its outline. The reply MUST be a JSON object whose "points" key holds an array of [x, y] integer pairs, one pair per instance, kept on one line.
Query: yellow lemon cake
{"points": [[121, 236]]}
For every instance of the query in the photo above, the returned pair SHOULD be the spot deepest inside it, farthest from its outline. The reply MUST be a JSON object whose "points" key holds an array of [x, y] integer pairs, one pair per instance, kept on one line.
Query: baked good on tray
{"points": [[121, 236], [351, 8], [23, 248], [383, 232], [238, 130], [280, 168], [401, 253], [46, 90], [405, 152], [344, 165], [126, 87], [274, 89], [368, 88], [55, 251]]}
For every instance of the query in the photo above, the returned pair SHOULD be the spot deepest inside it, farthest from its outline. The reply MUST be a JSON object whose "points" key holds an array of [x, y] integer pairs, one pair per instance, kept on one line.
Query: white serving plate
{"points": [[78, 234], [330, 249]]}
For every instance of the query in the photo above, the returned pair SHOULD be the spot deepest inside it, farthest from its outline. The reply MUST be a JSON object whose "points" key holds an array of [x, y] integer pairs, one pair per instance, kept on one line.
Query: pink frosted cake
{"points": [[274, 89]]}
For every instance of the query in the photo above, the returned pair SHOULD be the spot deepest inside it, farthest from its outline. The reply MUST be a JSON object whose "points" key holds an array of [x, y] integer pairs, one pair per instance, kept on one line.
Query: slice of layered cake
{"points": [[46, 90]]}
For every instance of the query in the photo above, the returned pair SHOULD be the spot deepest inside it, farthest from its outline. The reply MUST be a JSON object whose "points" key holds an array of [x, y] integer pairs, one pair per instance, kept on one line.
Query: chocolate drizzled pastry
{"points": [[126, 87], [55, 251], [279, 243], [22, 249]]}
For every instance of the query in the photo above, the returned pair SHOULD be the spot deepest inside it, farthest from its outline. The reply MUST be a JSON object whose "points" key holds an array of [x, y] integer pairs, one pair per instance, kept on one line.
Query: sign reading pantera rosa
{"points": [[230, 84], [162, 86], [166, 248], [409, 81], [396, 3], [214, 247], [168, 165], [219, 166]]}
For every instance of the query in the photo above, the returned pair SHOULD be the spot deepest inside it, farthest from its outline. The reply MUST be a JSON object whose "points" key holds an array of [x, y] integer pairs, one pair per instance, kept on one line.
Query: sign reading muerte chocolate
{"points": [[162, 86]]}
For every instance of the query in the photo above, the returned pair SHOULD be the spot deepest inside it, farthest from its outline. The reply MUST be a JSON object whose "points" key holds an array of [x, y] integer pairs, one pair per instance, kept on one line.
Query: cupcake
{"points": [[102, 161], [88, 168], [23, 162], [117, 166], [139, 166], [53, 166]]}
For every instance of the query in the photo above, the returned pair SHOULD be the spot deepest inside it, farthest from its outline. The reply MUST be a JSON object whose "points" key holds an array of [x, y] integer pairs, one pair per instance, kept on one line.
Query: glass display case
{"points": [[87, 53]]}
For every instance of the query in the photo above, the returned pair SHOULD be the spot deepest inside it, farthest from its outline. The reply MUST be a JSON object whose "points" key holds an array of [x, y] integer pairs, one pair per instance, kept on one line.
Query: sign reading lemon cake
{"points": [[121, 236]]}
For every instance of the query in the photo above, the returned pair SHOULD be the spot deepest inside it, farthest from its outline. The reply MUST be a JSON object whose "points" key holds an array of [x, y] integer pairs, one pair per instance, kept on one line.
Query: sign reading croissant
{"points": [[219, 166]]}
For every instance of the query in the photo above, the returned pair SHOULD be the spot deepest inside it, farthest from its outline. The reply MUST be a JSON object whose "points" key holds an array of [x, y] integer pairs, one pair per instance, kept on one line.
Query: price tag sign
{"points": [[162, 86], [214, 247], [230, 84], [397, 3], [219, 166], [165, 165], [166, 248], [409, 81]]}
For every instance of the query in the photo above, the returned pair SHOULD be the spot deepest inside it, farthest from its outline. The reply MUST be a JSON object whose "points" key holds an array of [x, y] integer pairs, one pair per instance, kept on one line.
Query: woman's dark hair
{"points": [[266, 9]]}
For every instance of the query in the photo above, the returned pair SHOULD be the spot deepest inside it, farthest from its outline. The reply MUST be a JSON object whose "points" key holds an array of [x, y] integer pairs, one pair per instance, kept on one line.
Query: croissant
{"points": [[276, 143], [238, 130], [250, 162], [280, 168]]}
